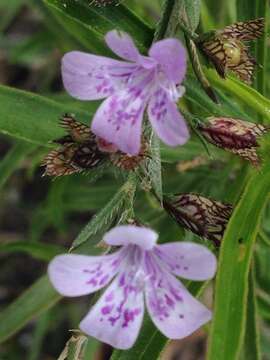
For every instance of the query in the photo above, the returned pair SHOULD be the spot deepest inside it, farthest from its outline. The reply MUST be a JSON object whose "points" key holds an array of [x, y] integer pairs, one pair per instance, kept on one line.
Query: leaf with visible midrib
{"points": [[229, 318], [35, 118]]}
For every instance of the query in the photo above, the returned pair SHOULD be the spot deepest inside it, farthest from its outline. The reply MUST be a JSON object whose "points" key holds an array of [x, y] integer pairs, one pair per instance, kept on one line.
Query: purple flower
{"points": [[142, 270], [129, 87]]}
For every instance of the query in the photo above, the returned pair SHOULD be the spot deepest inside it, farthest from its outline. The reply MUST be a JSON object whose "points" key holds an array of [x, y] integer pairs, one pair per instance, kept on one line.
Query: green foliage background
{"points": [[29, 120]]}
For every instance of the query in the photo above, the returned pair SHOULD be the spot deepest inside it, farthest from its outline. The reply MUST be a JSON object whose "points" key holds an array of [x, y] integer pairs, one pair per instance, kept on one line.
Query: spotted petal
{"points": [[119, 118], [166, 120], [130, 234], [188, 260], [76, 275], [117, 317], [174, 311], [171, 55], [91, 77]]}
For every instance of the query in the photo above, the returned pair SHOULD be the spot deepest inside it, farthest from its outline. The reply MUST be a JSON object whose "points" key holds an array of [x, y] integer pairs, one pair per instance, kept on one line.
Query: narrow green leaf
{"points": [[246, 9], [88, 23], [13, 159], [34, 118], [33, 302], [227, 331], [261, 47], [39, 251], [251, 348], [193, 10], [103, 219], [40, 332], [247, 95]]}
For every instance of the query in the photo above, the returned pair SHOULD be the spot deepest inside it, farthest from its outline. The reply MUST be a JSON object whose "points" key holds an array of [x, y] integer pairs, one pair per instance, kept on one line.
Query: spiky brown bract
{"points": [[204, 217], [234, 135], [78, 151], [127, 162], [227, 51]]}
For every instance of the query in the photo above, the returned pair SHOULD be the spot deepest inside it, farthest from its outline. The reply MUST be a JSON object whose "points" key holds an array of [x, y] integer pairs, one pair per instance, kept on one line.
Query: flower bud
{"points": [[204, 217], [234, 135], [227, 51]]}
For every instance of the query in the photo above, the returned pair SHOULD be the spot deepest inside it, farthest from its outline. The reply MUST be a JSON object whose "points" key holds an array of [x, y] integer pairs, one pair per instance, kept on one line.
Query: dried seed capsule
{"points": [[78, 150], [204, 217], [226, 50], [128, 162], [234, 135]]}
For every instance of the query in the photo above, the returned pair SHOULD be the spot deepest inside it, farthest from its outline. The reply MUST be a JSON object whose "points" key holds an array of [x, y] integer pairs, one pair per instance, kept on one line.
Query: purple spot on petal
{"points": [[107, 309], [169, 301], [104, 279], [109, 297]]}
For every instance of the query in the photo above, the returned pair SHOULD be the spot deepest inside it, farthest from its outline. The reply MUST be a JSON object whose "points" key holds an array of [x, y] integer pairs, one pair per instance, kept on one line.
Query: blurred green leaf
{"points": [[251, 347], [229, 318], [107, 214], [39, 251], [10, 8], [246, 94], [89, 23], [33, 302], [34, 118], [193, 10], [261, 48], [13, 159], [40, 332]]}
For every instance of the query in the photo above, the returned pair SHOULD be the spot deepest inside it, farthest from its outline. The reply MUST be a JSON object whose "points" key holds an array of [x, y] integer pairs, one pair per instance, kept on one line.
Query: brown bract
{"points": [[204, 217], [78, 151], [234, 135], [227, 50], [81, 150]]}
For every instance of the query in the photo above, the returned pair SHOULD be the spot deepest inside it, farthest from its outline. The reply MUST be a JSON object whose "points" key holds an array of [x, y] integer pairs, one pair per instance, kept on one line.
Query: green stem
{"points": [[261, 48], [169, 21], [189, 33]]}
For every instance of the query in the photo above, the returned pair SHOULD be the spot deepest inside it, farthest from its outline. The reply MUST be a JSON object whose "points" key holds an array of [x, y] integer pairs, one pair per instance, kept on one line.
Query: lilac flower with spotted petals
{"points": [[141, 270], [130, 86]]}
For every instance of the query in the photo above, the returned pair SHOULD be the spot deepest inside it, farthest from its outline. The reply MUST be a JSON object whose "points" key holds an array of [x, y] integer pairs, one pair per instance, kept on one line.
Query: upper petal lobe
{"points": [[91, 77], [171, 55], [131, 234], [122, 45], [76, 275], [166, 120], [174, 311], [188, 260], [117, 317]]}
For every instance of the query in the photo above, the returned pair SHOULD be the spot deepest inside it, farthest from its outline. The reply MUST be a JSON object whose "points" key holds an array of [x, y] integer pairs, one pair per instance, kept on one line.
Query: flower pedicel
{"points": [[129, 87], [142, 271]]}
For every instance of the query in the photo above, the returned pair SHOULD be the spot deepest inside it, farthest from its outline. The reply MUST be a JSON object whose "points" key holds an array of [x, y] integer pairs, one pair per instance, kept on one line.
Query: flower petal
{"points": [[119, 118], [117, 317], [131, 234], [171, 55], [188, 260], [174, 311], [91, 77], [166, 120], [76, 275], [122, 45]]}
